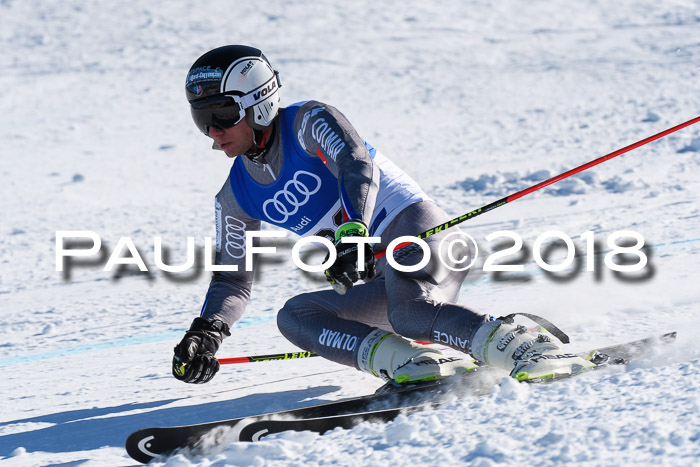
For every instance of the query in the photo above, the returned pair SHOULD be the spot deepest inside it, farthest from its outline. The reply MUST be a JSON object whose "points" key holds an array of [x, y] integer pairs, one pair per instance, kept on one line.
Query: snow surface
{"points": [[475, 100]]}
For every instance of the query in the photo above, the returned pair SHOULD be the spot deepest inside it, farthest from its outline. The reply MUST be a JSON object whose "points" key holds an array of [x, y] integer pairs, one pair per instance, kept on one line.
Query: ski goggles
{"points": [[223, 111]]}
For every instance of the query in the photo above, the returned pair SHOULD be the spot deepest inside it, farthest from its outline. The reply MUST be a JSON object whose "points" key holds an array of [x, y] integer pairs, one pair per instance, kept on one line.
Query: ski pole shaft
{"points": [[527, 191], [278, 356], [267, 358]]}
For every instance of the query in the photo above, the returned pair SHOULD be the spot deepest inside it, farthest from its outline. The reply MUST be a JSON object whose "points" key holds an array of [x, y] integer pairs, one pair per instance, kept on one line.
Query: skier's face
{"points": [[235, 140]]}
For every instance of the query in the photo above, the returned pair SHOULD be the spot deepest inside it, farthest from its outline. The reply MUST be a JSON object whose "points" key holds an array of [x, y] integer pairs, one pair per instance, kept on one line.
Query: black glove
{"points": [[194, 360], [344, 272]]}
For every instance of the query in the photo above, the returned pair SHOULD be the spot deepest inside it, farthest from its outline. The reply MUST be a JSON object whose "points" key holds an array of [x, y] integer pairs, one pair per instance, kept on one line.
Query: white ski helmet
{"points": [[230, 83]]}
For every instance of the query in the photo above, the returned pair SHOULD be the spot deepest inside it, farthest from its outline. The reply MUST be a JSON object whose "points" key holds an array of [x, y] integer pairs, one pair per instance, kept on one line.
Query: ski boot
{"points": [[527, 357], [398, 360]]}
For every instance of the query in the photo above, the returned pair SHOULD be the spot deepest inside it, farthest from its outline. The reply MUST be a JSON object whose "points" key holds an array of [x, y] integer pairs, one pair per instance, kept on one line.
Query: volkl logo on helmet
{"points": [[247, 68], [265, 91]]}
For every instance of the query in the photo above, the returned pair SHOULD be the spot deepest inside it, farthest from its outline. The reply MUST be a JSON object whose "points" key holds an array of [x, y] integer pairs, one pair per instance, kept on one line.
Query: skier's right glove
{"points": [[345, 272], [194, 360]]}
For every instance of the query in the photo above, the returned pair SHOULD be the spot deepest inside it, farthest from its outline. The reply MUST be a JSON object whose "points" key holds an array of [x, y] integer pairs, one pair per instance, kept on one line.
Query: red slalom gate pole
{"points": [[527, 191]]}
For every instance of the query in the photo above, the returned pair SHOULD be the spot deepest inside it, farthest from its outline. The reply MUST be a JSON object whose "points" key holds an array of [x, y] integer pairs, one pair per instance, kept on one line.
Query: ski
{"points": [[386, 404]]}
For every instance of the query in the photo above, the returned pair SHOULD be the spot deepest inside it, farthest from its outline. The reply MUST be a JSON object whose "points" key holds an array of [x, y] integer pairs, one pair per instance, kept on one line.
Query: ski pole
{"points": [[527, 191], [267, 358], [278, 356]]}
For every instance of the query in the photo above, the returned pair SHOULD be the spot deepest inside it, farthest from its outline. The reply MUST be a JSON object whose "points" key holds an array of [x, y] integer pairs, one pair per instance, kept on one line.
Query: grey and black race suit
{"points": [[317, 174]]}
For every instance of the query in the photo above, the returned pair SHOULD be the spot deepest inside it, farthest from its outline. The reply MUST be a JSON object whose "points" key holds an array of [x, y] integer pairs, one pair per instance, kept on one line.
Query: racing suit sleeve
{"points": [[324, 132], [229, 291]]}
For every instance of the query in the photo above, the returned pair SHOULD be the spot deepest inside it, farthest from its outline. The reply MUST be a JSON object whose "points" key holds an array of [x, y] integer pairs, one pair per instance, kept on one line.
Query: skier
{"points": [[306, 169]]}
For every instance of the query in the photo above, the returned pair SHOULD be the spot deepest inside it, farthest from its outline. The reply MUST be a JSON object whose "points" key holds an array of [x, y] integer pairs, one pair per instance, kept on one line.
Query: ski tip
{"points": [[139, 445]]}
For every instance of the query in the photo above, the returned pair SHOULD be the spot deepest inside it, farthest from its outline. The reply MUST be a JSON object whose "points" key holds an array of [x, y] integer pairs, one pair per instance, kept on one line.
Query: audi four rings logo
{"points": [[286, 203], [235, 237]]}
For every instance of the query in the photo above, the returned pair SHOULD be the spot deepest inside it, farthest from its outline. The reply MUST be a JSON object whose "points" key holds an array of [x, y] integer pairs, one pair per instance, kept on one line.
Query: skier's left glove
{"points": [[345, 272], [194, 360]]}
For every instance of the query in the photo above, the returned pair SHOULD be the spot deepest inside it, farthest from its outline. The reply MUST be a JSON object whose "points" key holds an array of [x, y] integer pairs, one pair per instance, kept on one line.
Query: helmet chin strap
{"points": [[260, 139]]}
